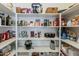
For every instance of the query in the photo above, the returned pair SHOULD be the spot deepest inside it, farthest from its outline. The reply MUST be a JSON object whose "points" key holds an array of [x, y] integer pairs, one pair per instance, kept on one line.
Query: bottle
{"points": [[37, 22], [8, 20], [2, 19], [32, 34], [31, 23], [45, 22], [39, 34]]}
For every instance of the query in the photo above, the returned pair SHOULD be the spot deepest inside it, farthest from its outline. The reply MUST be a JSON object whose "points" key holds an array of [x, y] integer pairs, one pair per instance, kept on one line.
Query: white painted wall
{"points": [[42, 29], [37, 42]]}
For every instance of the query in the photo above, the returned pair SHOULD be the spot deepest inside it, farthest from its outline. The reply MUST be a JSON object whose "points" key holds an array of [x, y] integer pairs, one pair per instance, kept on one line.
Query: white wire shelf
{"points": [[38, 26], [38, 49], [56, 38], [12, 53], [36, 14], [7, 42], [71, 43], [71, 10], [6, 10]]}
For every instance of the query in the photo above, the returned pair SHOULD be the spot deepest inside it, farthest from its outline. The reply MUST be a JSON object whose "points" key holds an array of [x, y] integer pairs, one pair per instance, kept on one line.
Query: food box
{"points": [[18, 10], [52, 10]]}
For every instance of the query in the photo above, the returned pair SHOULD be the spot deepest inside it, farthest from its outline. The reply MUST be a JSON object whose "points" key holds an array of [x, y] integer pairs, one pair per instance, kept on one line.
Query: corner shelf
{"points": [[63, 52], [12, 53], [7, 42], [6, 10], [36, 14], [70, 26], [38, 49], [71, 10], [6, 26], [38, 38], [39, 26], [72, 43]]}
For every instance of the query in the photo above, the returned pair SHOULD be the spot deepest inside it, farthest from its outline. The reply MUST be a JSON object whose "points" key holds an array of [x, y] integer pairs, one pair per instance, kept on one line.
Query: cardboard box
{"points": [[65, 45], [18, 10], [52, 10]]}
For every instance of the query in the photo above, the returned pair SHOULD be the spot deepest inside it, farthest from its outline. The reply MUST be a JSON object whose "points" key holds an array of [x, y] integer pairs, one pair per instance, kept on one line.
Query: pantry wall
{"points": [[42, 33], [40, 43]]}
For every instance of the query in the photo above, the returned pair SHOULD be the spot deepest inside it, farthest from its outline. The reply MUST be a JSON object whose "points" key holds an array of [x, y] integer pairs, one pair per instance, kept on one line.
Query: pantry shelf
{"points": [[7, 26], [72, 43], [71, 10], [38, 38], [6, 10], [38, 49], [7, 42], [36, 14], [39, 26], [64, 53], [12, 53], [70, 26]]}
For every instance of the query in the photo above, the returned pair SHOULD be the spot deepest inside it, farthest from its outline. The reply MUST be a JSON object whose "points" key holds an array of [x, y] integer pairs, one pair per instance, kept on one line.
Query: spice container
{"points": [[36, 35], [21, 22], [32, 34], [25, 23], [39, 34], [31, 23], [3, 22], [12, 22], [46, 22], [28, 23], [50, 23], [42, 23], [37, 22], [18, 23]]}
